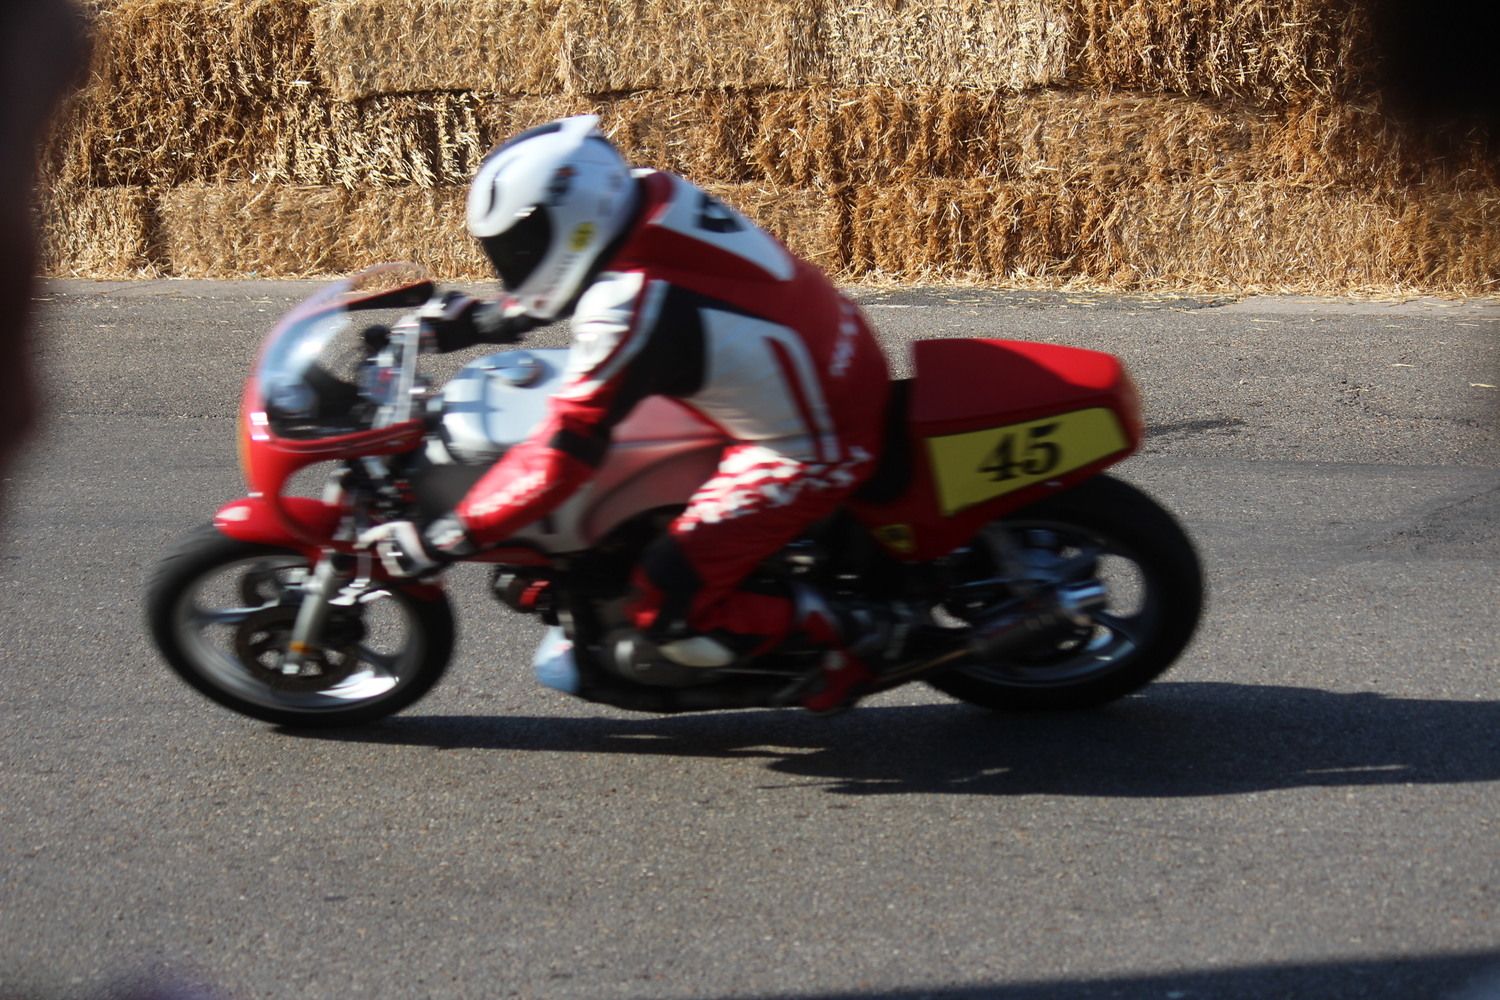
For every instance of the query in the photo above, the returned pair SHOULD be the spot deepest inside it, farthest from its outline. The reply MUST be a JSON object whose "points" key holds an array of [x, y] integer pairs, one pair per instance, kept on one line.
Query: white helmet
{"points": [[544, 206]]}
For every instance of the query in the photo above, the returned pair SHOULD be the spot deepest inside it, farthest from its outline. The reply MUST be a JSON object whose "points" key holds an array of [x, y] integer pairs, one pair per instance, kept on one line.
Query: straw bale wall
{"points": [[1171, 235], [1145, 145], [1264, 49], [256, 230]]}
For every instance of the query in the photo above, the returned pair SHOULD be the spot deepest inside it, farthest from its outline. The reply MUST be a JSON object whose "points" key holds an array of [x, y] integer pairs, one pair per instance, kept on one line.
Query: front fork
{"points": [[339, 578], [336, 573]]}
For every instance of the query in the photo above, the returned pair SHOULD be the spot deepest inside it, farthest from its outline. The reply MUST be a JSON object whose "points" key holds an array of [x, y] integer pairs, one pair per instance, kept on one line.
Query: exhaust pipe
{"points": [[1071, 604], [1034, 620]]}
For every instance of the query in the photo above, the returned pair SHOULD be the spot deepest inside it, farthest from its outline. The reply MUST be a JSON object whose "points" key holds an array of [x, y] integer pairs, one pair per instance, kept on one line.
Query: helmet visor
{"points": [[516, 252]]}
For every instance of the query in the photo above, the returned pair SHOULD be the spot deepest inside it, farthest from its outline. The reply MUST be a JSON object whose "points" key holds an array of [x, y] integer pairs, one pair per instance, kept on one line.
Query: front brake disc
{"points": [[261, 640]]}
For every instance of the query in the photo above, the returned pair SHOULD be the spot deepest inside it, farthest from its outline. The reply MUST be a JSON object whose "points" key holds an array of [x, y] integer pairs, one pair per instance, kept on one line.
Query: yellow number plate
{"points": [[976, 466]]}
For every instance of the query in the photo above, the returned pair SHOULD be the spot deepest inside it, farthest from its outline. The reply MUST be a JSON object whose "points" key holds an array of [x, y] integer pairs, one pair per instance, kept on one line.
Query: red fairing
{"points": [[255, 519], [269, 461]]}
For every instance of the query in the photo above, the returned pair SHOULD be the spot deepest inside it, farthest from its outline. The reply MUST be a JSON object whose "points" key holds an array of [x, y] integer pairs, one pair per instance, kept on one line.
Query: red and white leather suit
{"points": [[699, 305]]}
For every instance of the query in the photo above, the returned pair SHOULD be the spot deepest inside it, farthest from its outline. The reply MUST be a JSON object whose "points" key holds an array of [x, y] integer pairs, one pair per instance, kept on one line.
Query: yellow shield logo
{"points": [[581, 237]]}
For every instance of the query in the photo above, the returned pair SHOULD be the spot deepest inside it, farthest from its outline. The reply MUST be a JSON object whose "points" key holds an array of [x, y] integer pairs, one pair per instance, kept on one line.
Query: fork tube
{"points": [[312, 614]]}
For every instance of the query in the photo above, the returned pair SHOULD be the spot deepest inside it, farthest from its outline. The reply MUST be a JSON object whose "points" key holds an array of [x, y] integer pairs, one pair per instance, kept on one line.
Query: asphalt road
{"points": [[1305, 807]]}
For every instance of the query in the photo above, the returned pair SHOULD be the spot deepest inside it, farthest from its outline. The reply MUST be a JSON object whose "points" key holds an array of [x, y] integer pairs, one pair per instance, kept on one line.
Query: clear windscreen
{"points": [[312, 377]]}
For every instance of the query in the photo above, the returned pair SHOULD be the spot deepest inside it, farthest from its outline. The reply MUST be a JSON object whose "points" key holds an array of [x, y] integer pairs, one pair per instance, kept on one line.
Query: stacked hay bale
{"points": [[1144, 145]]}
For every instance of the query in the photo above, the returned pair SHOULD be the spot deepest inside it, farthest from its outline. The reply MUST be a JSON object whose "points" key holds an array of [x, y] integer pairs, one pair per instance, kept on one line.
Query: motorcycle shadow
{"points": [[1176, 739]]}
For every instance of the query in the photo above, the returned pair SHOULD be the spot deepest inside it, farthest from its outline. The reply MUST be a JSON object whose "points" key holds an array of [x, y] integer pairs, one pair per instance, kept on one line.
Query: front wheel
{"points": [[1125, 540], [221, 611]]}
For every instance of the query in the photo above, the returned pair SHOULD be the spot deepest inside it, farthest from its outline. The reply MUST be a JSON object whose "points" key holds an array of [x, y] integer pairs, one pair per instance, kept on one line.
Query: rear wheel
{"points": [[1119, 536], [221, 611]]}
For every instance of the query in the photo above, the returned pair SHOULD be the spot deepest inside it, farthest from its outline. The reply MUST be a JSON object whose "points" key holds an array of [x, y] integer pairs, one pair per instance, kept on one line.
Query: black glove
{"points": [[457, 321]]}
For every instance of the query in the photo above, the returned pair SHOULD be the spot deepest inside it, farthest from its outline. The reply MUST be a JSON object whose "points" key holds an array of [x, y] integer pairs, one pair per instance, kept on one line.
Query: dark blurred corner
{"points": [[1436, 62], [43, 54], [1436, 70]]}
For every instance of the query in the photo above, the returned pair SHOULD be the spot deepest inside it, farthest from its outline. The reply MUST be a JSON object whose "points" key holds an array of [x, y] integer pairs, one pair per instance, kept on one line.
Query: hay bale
{"points": [[1448, 243], [248, 230], [184, 90], [701, 135], [370, 47], [425, 226], [623, 45], [1255, 237], [260, 230], [96, 233], [252, 48], [1226, 145], [367, 47], [942, 231], [1237, 237], [865, 135], [233, 92], [705, 136], [438, 139], [425, 140], [812, 136], [273, 230], [1265, 51], [945, 43], [1356, 143], [869, 135]]}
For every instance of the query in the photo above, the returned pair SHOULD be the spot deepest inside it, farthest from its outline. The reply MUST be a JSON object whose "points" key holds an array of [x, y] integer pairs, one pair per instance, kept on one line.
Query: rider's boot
{"points": [[862, 642]]}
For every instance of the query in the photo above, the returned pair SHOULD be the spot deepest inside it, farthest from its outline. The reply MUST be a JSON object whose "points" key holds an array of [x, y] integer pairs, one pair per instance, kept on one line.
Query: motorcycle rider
{"points": [[671, 293]]}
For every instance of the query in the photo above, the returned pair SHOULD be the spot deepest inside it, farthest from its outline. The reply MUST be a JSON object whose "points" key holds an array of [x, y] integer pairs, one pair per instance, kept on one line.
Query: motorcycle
{"points": [[1037, 580]]}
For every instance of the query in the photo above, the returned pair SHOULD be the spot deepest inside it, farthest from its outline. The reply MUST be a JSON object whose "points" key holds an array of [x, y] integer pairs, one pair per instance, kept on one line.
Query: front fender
{"points": [[254, 519]]}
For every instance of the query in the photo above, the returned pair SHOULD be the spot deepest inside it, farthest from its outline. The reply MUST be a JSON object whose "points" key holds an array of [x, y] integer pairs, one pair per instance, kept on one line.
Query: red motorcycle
{"points": [[1037, 580]]}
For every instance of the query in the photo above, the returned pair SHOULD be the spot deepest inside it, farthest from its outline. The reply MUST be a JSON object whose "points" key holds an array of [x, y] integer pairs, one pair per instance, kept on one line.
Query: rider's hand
{"points": [[401, 549], [407, 551], [457, 321]]}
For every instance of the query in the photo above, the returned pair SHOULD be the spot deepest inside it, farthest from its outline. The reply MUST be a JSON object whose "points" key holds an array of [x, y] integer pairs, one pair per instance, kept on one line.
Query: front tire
{"points": [[1155, 583], [221, 611]]}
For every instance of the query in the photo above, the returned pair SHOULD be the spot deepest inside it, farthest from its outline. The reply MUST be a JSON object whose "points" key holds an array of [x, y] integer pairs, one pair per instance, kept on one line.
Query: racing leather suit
{"points": [[697, 304]]}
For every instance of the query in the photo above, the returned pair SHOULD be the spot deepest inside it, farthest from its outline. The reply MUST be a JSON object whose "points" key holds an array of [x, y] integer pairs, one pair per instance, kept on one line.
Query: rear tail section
{"points": [[988, 426]]}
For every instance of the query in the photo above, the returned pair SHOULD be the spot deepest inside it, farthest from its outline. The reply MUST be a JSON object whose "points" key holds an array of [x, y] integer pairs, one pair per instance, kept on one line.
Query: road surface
{"points": [[1306, 806]]}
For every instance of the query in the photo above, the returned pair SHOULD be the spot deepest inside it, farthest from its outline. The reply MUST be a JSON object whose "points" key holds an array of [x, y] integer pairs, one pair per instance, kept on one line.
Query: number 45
{"points": [[1037, 457]]}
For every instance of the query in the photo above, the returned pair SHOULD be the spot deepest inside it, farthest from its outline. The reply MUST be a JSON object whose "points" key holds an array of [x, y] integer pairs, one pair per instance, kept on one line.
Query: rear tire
{"points": [[1127, 647], [220, 611]]}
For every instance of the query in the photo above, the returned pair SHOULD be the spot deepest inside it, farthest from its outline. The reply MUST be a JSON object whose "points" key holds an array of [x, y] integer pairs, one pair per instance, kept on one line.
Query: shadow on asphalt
{"points": [[1439, 977], [1447, 977], [1191, 739]]}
